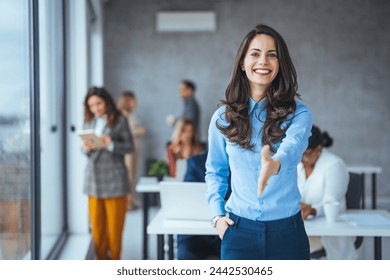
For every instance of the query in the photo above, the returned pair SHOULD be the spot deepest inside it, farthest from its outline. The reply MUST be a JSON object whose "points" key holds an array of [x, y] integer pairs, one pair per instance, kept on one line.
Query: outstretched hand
{"points": [[269, 166]]}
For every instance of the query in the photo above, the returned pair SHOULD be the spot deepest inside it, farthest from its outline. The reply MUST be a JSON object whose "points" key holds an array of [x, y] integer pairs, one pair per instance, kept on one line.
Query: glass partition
{"points": [[15, 130]]}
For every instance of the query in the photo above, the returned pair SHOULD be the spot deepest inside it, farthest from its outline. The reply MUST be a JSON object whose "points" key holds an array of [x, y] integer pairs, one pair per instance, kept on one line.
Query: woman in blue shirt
{"points": [[259, 135]]}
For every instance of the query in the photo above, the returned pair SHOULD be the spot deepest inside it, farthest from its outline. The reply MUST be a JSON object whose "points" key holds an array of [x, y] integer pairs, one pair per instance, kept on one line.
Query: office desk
{"points": [[146, 186], [315, 227], [367, 170]]}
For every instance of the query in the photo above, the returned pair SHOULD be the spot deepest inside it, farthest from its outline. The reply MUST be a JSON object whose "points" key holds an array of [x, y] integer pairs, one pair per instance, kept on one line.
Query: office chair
{"points": [[354, 201]]}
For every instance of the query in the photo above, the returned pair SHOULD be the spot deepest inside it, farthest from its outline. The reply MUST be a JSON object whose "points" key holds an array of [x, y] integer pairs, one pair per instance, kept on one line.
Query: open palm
{"points": [[269, 166]]}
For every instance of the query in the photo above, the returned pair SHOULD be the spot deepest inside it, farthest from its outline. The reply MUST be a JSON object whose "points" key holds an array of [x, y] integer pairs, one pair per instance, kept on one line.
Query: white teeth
{"points": [[261, 71]]}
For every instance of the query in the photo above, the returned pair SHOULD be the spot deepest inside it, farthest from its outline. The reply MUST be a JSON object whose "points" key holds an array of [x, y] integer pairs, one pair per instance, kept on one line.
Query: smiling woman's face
{"points": [[97, 105], [261, 64]]}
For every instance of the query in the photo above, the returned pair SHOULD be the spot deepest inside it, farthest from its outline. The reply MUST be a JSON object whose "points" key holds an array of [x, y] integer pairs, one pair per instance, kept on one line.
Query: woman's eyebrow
{"points": [[254, 49]]}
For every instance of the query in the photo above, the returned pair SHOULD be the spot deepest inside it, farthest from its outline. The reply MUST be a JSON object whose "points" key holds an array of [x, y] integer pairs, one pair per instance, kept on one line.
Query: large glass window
{"points": [[32, 200], [14, 129], [51, 83]]}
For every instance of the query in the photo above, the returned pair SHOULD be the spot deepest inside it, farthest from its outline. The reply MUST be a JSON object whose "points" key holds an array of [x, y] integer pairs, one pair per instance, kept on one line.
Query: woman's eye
{"points": [[272, 55], [255, 54]]}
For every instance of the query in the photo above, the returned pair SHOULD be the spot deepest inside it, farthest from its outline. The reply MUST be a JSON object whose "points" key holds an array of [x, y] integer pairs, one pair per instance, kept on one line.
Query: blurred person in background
{"points": [[184, 143], [127, 105], [106, 182], [191, 109], [323, 177]]}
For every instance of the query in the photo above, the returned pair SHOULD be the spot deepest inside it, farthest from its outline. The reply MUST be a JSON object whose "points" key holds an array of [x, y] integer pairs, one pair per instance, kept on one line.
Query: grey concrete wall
{"points": [[340, 50]]}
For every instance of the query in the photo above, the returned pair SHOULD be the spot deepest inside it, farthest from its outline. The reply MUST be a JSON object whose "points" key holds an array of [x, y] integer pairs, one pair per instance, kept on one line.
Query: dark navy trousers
{"points": [[198, 247], [283, 239]]}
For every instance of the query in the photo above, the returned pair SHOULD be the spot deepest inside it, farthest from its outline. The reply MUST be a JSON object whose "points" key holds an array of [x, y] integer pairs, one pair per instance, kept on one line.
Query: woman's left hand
{"points": [[307, 210], [106, 140], [269, 166]]}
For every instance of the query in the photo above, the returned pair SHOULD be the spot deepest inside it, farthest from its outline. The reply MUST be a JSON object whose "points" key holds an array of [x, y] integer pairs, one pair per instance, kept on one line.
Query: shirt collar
{"points": [[252, 104], [102, 118], [188, 100]]}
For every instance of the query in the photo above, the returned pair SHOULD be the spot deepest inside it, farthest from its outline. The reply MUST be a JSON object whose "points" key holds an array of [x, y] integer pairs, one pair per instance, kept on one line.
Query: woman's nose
{"points": [[262, 59]]}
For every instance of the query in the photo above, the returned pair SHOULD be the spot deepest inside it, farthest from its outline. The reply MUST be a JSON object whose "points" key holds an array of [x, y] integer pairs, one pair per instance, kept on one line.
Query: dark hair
{"points": [[318, 138], [189, 84], [279, 99], [178, 130], [128, 93], [111, 110]]}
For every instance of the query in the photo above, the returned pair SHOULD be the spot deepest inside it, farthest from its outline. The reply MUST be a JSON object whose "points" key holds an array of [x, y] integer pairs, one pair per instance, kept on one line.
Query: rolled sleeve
{"points": [[295, 142], [217, 169]]}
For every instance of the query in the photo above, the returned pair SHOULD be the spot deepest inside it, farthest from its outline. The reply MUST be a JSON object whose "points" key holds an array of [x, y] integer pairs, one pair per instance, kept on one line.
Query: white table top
{"points": [[151, 184], [147, 184], [315, 227]]}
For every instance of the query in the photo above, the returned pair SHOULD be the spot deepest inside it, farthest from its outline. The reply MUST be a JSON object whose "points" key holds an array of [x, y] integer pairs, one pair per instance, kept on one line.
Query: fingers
{"points": [[262, 180], [228, 220], [260, 190], [269, 167], [222, 225], [87, 146], [265, 152]]}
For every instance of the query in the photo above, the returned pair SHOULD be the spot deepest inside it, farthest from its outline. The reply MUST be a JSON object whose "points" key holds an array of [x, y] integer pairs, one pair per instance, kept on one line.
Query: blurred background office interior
{"points": [[52, 51]]}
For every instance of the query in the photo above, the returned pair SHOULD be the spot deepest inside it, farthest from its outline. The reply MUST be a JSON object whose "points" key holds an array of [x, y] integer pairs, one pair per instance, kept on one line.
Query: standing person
{"points": [[106, 182], [191, 108], [127, 105], [323, 177], [260, 132]]}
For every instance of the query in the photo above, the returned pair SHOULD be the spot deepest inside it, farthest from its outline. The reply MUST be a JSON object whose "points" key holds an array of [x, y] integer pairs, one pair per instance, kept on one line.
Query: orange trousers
{"points": [[107, 217]]}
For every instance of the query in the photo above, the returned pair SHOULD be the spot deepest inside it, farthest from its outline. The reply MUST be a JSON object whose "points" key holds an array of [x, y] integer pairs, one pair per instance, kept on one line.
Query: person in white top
{"points": [[323, 176]]}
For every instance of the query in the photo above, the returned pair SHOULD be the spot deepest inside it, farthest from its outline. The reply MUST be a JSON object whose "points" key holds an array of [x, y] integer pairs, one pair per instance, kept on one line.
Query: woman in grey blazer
{"points": [[106, 182]]}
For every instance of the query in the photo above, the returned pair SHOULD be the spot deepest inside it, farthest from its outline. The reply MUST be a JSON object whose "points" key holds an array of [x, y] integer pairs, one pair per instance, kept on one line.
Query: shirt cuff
{"points": [[283, 159], [110, 147], [218, 208]]}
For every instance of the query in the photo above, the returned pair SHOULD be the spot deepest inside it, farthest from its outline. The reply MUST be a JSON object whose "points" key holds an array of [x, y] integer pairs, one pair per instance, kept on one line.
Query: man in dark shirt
{"points": [[191, 108]]}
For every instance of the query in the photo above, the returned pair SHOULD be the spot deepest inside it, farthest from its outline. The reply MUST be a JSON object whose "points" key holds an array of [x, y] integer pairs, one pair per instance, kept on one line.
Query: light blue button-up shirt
{"points": [[281, 197]]}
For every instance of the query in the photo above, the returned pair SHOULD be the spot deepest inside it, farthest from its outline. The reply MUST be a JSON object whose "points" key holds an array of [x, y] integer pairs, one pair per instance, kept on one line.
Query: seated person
{"points": [[184, 143], [323, 176], [197, 247]]}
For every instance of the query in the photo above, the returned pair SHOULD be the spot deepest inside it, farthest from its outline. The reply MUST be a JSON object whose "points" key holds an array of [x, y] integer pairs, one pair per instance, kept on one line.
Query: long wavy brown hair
{"points": [[111, 109], [279, 100]]}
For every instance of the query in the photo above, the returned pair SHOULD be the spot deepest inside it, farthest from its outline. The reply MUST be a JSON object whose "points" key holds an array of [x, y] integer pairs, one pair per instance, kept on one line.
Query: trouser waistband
{"points": [[281, 224]]}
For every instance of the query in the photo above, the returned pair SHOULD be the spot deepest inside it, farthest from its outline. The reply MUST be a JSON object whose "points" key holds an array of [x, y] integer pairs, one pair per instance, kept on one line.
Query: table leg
{"points": [[145, 208], [160, 246], [373, 178], [363, 192], [378, 248], [170, 247]]}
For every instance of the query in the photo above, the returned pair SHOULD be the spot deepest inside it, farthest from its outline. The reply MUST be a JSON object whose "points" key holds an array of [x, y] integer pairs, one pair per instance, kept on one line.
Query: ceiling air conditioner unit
{"points": [[186, 22]]}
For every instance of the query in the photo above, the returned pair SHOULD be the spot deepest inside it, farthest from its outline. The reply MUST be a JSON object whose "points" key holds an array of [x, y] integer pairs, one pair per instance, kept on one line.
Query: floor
{"points": [[132, 236]]}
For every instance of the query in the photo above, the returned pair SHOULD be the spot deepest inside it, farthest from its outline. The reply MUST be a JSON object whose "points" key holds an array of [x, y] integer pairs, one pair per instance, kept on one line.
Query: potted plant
{"points": [[159, 169]]}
